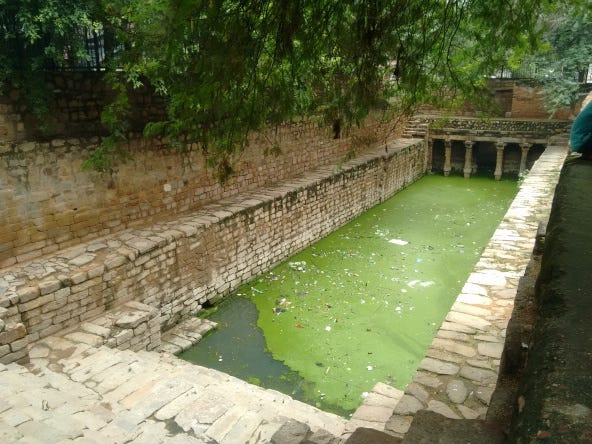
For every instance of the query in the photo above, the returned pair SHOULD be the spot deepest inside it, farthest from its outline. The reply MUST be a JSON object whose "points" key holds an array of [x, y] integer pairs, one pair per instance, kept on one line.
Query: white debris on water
{"points": [[423, 284], [398, 242]]}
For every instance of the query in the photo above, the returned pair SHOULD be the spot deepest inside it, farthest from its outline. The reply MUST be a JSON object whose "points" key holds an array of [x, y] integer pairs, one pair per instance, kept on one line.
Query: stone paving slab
{"points": [[103, 395]]}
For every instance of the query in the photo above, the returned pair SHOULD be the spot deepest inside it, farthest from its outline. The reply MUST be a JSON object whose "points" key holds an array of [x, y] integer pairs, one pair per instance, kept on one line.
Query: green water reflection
{"points": [[363, 304]]}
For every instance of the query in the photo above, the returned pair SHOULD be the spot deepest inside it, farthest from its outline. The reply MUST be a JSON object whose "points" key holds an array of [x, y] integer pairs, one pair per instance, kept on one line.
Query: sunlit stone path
{"points": [[76, 392]]}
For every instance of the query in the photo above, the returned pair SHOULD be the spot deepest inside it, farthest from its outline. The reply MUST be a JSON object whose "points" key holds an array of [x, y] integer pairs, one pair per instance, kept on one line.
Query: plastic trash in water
{"points": [[398, 242]]}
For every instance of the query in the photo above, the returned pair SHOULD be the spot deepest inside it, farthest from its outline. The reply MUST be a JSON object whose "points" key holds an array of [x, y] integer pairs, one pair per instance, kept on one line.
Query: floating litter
{"points": [[398, 242], [328, 328], [369, 368]]}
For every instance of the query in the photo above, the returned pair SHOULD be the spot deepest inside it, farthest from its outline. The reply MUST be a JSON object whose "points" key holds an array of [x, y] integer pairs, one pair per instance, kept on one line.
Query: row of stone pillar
{"points": [[468, 167]]}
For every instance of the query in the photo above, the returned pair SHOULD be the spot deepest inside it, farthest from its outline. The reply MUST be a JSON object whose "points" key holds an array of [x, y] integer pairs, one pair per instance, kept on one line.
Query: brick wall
{"points": [[180, 265], [528, 102]]}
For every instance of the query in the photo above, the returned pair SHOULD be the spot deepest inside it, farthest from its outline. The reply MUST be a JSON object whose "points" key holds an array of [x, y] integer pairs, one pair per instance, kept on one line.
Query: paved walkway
{"points": [[75, 392]]}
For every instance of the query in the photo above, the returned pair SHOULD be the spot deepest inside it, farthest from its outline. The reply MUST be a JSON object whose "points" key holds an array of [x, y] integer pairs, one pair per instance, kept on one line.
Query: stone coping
{"points": [[91, 258]]}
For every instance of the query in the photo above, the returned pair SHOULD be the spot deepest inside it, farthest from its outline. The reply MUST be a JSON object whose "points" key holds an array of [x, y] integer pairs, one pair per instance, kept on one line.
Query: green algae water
{"points": [[363, 304]]}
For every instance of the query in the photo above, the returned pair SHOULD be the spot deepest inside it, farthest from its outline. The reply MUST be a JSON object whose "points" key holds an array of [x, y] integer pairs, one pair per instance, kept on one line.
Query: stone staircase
{"points": [[416, 128]]}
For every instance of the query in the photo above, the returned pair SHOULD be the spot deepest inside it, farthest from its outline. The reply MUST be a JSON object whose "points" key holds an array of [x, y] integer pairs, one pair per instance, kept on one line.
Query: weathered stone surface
{"points": [[467, 412], [474, 289], [488, 278], [439, 367], [442, 409], [452, 326], [479, 375], [413, 388], [373, 413], [130, 319], [82, 259], [491, 349], [408, 405], [398, 424], [455, 336], [470, 309], [95, 329], [12, 333], [292, 432], [454, 347], [85, 338], [474, 299], [387, 390], [457, 391], [49, 286], [426, 379], [484, 394], [467, 320]]}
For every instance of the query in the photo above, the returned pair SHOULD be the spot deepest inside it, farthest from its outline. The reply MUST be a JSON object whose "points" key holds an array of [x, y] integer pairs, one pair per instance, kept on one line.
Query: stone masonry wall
{"points": [[178, 266], [47, 203]]}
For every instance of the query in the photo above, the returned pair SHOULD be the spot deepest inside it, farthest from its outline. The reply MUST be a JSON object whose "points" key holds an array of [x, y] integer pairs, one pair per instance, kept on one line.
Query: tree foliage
{"points": [[227, 67], [38, 34], [566, 54]]}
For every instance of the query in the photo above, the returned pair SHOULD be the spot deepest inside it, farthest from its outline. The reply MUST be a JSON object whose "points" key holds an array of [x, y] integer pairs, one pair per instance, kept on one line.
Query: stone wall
{"points": [[498, 127], [523, 99], [528, 101], [47, 203], [76, 101], [180, 265]]}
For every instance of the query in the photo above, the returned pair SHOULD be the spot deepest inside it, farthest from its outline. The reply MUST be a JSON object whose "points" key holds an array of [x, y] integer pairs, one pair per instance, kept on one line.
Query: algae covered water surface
{"points": [[363, 304]]}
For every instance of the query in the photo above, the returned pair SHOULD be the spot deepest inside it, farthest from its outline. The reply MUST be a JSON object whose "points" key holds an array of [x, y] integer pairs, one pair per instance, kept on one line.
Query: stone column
{"points": [[468, 169], [430, 154], [525, 147], [447, 156], [499, 161]]}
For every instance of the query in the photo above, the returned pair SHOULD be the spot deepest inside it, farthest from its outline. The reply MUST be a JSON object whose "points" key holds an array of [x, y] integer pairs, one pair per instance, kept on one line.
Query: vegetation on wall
{"points": [[227, 67]]}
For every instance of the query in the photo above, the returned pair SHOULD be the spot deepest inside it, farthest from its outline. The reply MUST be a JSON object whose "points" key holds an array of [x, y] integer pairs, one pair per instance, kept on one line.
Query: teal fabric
{"points": [[580, 138]]}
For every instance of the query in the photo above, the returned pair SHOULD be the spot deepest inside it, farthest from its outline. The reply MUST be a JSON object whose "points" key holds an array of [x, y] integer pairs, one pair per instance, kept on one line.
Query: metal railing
{"points": [[535, 71]]}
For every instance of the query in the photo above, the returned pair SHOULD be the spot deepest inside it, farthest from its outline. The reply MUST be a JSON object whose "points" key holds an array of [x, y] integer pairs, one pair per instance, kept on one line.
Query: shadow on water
{"points": [[238, 348], [363, 304]]}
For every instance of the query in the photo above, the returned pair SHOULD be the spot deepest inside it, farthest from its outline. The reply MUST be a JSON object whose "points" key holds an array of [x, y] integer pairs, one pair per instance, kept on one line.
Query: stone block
{"points": [[438, 367], [21, 357], [123, 336], [408, 405], [35, 303], [26, 294], [4, 350], [95, 329], [131, 319], [49, 286], [12, 333], [19, 344]]}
